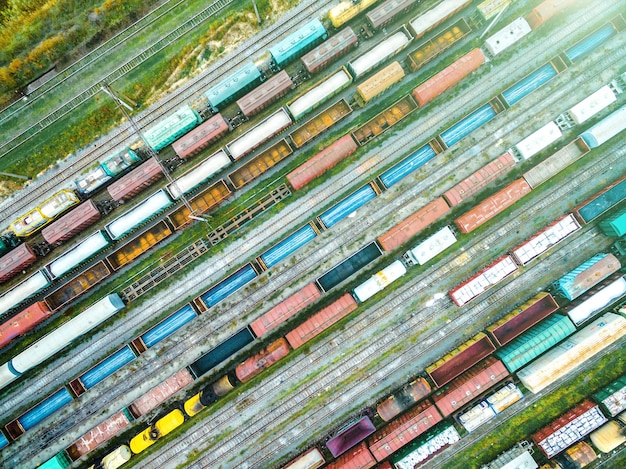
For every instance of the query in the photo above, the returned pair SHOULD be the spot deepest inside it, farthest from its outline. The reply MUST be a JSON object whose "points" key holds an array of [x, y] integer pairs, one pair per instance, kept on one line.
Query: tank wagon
{"points": [[106, 171], [44, 213], [344, 11]]}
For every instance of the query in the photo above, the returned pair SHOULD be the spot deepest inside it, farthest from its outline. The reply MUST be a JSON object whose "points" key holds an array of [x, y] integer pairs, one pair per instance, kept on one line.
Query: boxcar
{"points": [[193, 142], [385, 13], [72, 223], [265, 94], [160, 393], [23, 322], [380, 82], [264, 359], [483, 280], [403, 399], [15, 261], [136, 181], [99, 434], [358, 457]]}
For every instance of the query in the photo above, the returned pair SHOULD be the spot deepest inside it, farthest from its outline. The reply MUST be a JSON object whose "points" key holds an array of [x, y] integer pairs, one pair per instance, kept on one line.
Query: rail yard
{"points": [[377, 237]]}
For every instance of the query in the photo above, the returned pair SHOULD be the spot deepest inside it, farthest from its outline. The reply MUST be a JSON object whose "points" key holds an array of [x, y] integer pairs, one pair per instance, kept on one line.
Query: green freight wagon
{"points": [[170, 128], [613, 397], [615, 225], [535, 341]]}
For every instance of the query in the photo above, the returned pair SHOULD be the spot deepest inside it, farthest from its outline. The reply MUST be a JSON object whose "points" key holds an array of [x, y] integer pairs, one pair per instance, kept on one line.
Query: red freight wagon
{"points": [[262, 360], [98, 435], [412, 225], [72, 223], [492, 206], [403, 430], [546, 10], [358, 457], [570, 427], [460, 359], [196, 140], [349, 436], [160, 393], [448, 77], [403, 399], [479, 180], [265, 94], [23, 322], [15, 261], [322, 162], [285, 309], [523, 318], [470, 384], [330, 50], [137, 180], [321, 321]]}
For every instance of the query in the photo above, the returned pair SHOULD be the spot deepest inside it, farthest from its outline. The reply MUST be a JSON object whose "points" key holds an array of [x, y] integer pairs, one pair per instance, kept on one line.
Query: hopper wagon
{"points": [[199, 174], [349, 436], [330, 50], [298, 43], [72, 223], [317, 94], [265, 94], [231, 87], [196, 140], [169, 129], [136, 181]]}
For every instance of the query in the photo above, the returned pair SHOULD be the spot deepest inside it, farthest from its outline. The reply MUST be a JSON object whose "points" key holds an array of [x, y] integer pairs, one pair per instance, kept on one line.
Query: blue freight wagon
{"points": [[233, 86], [298, 43], [529, 84], [225, 350], [287, 246], [411, 163], [102, 370], [165, 328], [349, 266], [226, 287], [591, 42], [349, 205], [38, 413], [468, 124]]}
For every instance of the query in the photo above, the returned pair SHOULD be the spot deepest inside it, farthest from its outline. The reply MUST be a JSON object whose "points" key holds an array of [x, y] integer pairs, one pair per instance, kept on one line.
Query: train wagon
{"points": [[507, 36], [469, 385], [78, 285], [576, 349], [167, 130], [321, 91], [233, 86], [226, 287], [460, 359], [350, 435], [77, 255], [139, 245], [380, 82], [297, 43], [546, 10], [320, 123], [612, 397], [344, 11], [437, 45], [596, 299], [412, 225], [262, 360], [206, 200], [162, 427], [16, 261], [358, 457], [536, 340], [592, 105], [386, 12], [160, 393], [334, 47], [378, 54], [601, 202], [72, 223], [265, 94], [102, 370], [259, 164], [326, 159], [379, 281], [615, 224], [287, 246], [136, 181], [426, 446], [348, 206], [589, 273], [537, 141], [259, 134], [569, 428], [556, 163], [403, 430], [220, 353], [348, 267], [384, 120], [448, 77], [471, 122], [285, 310], [110, 168], [533, 81], [44, 213], [18, 294], [480, 179], [492, 206], [606, 129], [138, 215], [321, 321], [59, 338], [423, 23], [100, 434], [24, 321], [164, 328], [587, 45], [490, 8], [38, 413], [403, 399], [522, 318], [608, 437], [483, 280], [430, 247], [193, 142], [199, 174], [311, 459]]}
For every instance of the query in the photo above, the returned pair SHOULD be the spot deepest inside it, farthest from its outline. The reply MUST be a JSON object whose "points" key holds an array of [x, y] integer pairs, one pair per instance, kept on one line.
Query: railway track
{"points": [[84, 357], [401, 330], [116, 138]]}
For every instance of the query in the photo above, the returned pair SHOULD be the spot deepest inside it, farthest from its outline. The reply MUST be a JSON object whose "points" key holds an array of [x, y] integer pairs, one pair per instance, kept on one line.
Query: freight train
{"points": [[525, 317]]}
